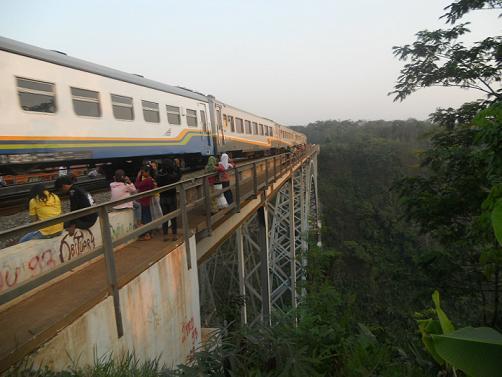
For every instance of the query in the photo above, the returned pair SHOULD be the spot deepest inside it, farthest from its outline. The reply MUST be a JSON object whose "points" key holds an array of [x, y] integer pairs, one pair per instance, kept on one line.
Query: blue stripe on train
{"points": [[197, 144]]}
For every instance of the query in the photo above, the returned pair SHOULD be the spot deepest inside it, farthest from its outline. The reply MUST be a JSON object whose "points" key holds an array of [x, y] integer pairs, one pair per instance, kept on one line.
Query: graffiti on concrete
{"points": [[189, 331], [17, 268], [120, 229], [9, 277], [12, 274], [81, 242], [23, 262], [41, 262]]}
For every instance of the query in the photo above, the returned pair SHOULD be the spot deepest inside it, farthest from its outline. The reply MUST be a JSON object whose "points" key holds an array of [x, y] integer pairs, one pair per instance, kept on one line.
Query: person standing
{"points": [[212, 180], [223, 167], [79, 199], [43, 205], [144, 182], [122, 188], [168, 174]]}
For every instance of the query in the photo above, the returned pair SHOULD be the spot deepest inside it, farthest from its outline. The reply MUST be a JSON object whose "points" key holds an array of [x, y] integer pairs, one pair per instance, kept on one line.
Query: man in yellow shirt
{"points": [[43, 206]]}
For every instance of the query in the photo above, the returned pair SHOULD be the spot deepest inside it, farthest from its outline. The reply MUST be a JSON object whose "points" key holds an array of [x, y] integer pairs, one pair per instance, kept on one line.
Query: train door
{"points": [[204, 122], [220, 135]]}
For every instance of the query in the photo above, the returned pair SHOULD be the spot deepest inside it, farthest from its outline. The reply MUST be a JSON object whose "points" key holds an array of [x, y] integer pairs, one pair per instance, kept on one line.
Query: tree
{"points": [[458, 9], [453, 198], [438, 58]]}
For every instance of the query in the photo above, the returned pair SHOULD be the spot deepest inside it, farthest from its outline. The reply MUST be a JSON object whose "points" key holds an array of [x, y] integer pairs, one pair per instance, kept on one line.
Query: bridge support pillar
{"points": [[264, 264], [242, 273], [261, 267]]}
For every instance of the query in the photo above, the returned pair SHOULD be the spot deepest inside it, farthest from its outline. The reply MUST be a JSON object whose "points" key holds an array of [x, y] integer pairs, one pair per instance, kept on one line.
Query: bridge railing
{"points": [[194, 197]]}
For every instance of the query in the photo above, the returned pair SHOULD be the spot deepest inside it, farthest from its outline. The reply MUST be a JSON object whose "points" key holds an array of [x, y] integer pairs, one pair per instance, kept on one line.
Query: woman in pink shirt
{"points": [[123, 188]]}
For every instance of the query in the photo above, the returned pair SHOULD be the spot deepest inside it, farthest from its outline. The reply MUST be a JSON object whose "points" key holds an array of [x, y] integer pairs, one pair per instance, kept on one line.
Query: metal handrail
{"points": [[95, 208], [286, 162]]}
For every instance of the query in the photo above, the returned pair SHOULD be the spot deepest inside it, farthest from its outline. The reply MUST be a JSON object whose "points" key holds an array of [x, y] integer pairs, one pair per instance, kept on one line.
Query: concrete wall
{"points": [[160, 311], [23, 262]]}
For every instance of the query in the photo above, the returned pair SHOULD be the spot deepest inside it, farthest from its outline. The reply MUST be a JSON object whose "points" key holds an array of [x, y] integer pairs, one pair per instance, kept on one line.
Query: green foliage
{"points": [[428, 327], [496, 218], [446, 325], [126, 366], [440, 58], [476, 351], [459, 8]]}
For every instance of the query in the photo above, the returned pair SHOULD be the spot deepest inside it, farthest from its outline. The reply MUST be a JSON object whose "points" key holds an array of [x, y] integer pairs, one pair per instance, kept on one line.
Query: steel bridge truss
{"points": [[261, 267]]}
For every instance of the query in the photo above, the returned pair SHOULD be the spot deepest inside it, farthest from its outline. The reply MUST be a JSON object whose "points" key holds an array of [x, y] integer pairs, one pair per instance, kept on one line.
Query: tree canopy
{"points": [[441, 58]]}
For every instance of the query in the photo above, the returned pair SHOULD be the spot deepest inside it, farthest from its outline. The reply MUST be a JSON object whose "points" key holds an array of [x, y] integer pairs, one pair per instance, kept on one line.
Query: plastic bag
{"points": [[155, 208], [221, 201]]}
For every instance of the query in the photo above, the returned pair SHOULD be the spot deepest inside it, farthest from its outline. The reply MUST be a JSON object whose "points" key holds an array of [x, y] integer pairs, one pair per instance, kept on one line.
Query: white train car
{"points": [[242, 132], [57, 109]]}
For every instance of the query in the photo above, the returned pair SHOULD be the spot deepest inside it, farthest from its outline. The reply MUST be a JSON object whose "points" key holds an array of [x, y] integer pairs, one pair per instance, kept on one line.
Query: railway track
{"points": [[12, 198]]}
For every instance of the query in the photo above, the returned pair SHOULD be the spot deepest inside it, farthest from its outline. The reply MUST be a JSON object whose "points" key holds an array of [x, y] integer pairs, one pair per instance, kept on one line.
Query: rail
{"points": [[258, 174]]}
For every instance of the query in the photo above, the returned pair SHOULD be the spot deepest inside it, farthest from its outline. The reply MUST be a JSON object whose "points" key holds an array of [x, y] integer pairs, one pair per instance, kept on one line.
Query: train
{"points": [[60, 110]]}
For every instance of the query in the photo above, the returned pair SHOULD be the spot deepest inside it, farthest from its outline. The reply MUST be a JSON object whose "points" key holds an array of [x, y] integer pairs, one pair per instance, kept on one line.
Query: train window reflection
{"points": [[173, 115], [191, 118], [122, 107], [36, 96], [232, 124], [248, 126], [151, 111], [85, 102], [238, 123]]}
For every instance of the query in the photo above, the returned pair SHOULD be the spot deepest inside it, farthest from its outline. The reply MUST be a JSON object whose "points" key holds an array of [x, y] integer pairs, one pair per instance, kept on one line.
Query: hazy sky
{"points": [[290, 60]]}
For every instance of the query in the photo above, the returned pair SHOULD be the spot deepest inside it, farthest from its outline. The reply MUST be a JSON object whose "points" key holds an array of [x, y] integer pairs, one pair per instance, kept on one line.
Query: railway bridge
{"points": [[74, 298]]}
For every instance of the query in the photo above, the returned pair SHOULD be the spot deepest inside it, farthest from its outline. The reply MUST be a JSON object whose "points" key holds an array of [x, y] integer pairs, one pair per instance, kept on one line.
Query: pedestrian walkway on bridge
{"points": [[45, 290]]}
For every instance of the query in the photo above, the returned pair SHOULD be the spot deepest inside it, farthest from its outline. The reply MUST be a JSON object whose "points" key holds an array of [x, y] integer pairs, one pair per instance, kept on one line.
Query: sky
{"points": [[294, 61]]}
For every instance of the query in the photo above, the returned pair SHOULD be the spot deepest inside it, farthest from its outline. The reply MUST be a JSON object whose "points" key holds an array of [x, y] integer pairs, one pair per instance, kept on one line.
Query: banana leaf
{"points": [[428, 327], [475, 351], [446, 325]]}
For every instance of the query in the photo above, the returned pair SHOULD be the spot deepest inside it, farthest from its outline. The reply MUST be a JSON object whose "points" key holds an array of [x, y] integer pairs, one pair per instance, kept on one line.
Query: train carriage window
{"points": [[261, 129], [232, 124], [271, 131], [173, 115], [248, 126], [191, 118], [151, 111], [122, 107], [239, 127], [255, 128], [36, 96], [85, 102], [225, 122]]}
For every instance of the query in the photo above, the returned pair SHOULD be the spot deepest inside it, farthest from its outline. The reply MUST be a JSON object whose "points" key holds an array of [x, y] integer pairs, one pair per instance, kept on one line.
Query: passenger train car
{"points": [[56, 109]]}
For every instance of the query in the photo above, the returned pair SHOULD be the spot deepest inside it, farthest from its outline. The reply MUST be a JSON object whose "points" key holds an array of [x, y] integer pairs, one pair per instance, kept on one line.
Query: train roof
{"points": [[62, 59], [258, 116]]}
